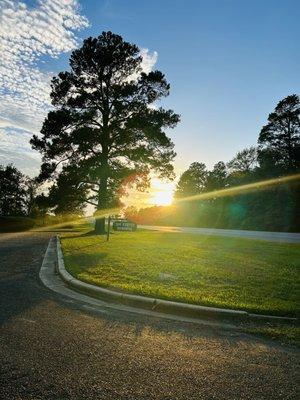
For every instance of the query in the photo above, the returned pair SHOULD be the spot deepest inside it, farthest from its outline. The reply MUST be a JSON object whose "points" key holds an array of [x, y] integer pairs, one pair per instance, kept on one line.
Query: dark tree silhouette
{"points": [[104, 129], [67, 196], [31, 187], [192, 181], [216, 178], [279, 140], [244, 161], [13, 195]]}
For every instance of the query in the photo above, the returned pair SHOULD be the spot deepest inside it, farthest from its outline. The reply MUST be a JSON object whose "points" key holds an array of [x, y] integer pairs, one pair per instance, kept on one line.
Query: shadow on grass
{"points": [[84, 234], [53, 230], [87, 234], [87, 260]]}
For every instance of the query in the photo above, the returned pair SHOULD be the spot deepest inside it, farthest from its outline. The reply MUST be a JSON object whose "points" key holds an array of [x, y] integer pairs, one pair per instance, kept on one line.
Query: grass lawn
{"points": [[284, 333], [254, 275]]}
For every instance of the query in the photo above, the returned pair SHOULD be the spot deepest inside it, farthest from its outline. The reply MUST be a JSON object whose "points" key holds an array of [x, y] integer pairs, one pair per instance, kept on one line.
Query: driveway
{"points": [[54, 348]]}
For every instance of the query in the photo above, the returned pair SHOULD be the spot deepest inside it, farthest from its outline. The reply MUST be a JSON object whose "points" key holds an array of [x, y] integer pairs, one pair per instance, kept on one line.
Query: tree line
{"points": [[23, 205], [277, 154], [106, 132]]}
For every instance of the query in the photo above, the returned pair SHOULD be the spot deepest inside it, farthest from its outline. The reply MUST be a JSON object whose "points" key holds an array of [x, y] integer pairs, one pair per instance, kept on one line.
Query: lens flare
{"points": [[250, 187]]}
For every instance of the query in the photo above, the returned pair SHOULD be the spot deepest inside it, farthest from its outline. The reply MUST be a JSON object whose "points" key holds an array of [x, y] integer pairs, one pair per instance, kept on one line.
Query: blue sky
{"points": [[228, 61]]}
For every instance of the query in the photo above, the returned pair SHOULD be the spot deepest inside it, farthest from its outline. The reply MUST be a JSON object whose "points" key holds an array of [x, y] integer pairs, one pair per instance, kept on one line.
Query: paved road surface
{"points": [[51, 348], [273, 236]]}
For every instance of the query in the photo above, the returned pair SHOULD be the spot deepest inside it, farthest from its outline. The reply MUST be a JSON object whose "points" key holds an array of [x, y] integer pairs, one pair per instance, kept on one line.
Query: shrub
{"points": [[16, 224]]}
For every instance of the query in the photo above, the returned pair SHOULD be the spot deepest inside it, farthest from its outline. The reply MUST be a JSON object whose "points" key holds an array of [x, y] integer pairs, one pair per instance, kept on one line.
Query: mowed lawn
{"points": [[253, 275]]}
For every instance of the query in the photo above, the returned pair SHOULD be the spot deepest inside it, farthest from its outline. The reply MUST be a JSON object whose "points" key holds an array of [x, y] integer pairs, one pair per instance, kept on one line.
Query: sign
{"points": [[123, 225]]}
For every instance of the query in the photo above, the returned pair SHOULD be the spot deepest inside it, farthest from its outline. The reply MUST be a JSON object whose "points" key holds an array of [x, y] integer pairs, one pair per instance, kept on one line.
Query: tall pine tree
{"points": [[105, 129], [279, 140]]}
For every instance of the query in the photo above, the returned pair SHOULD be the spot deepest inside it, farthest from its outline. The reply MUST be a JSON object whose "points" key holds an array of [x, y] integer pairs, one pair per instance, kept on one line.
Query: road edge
{"points": [[153, 304]]}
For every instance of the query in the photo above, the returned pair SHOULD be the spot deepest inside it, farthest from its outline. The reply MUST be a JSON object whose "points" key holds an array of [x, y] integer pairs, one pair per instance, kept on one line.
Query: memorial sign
{"points": [[124, 225]]}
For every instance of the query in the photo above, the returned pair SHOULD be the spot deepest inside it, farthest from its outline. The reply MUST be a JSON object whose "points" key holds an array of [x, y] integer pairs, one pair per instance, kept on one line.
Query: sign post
{"points": [[108, 229], [119, 224]]}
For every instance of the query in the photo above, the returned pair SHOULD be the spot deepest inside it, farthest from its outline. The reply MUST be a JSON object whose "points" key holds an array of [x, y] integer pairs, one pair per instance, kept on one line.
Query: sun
{"points": [[161, 193], [162, 199]]}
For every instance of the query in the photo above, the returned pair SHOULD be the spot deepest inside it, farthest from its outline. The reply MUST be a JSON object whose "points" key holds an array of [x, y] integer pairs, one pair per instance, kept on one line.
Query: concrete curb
{"points": [[153, 304]]}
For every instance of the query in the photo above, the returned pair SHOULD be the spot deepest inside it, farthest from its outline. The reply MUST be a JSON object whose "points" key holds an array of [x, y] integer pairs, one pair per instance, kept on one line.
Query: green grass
{"points": [[253, 275], [286, 334]]}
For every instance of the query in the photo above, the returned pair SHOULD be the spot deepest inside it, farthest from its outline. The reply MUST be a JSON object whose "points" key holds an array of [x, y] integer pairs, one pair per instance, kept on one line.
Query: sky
{"points": [[228, 62]]}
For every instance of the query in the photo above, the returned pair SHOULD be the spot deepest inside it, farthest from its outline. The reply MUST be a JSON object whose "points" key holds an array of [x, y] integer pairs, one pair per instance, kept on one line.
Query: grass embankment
{"points": [[257, 276], [57, 223]]}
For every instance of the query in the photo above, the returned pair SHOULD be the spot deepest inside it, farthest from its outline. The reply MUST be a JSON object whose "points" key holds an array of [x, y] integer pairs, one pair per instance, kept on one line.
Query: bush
{"points": [[16, 224], [67, 226]]}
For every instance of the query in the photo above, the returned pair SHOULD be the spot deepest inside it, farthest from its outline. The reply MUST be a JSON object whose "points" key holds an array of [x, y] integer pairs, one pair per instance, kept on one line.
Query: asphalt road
{"points": [[272, 236], [51, 348]]}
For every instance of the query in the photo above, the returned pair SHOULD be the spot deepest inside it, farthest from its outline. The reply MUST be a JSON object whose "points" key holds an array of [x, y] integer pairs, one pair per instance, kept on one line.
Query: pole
{"points": [[108, 229]]}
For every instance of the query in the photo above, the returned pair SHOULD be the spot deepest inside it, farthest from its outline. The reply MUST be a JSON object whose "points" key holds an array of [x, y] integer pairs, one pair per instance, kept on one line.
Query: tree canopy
{"points": [[106, 129], [279, 140], [13, 195], [192, 181], [244, 161], [216, 178]]}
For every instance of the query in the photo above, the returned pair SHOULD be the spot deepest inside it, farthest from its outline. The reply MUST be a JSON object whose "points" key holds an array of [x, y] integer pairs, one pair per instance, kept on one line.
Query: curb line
{"points": [[154, 304]]}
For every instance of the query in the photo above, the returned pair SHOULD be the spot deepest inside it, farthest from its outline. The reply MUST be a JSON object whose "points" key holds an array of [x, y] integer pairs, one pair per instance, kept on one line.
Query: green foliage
{"points": [[243, 162], [67, 196], [58, 222], [216, 179], [12, 191], [16, 224], [253, 275], [274, 209], [103, 130], [280, 139], [192, 181], [286, 333]]}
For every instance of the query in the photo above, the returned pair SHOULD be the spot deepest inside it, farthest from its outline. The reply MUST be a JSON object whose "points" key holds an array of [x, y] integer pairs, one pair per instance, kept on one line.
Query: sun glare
{"points": [[161, 193]]}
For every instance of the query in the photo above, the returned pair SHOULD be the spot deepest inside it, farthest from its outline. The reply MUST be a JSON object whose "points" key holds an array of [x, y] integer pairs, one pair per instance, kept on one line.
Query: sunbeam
{"points": [[250, 187]]}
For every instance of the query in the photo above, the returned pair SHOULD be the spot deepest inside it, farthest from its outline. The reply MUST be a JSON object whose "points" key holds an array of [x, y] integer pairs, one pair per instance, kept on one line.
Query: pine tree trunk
{"points": [[103, 201], [102, 205]]}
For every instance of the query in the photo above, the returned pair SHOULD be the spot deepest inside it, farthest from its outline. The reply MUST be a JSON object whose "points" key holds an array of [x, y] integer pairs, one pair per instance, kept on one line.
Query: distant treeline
{"points": [[22, 207], [273, 208]]}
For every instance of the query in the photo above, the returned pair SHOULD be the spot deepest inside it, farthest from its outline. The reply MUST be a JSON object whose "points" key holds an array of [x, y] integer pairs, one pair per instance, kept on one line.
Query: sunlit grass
{"points": [[285, 333], [253, 275]]}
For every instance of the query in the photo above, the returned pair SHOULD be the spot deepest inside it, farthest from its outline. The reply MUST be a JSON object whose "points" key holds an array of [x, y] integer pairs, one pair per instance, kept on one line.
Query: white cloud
{"points": [[149, 60], [27, 34], [15, 147]]}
